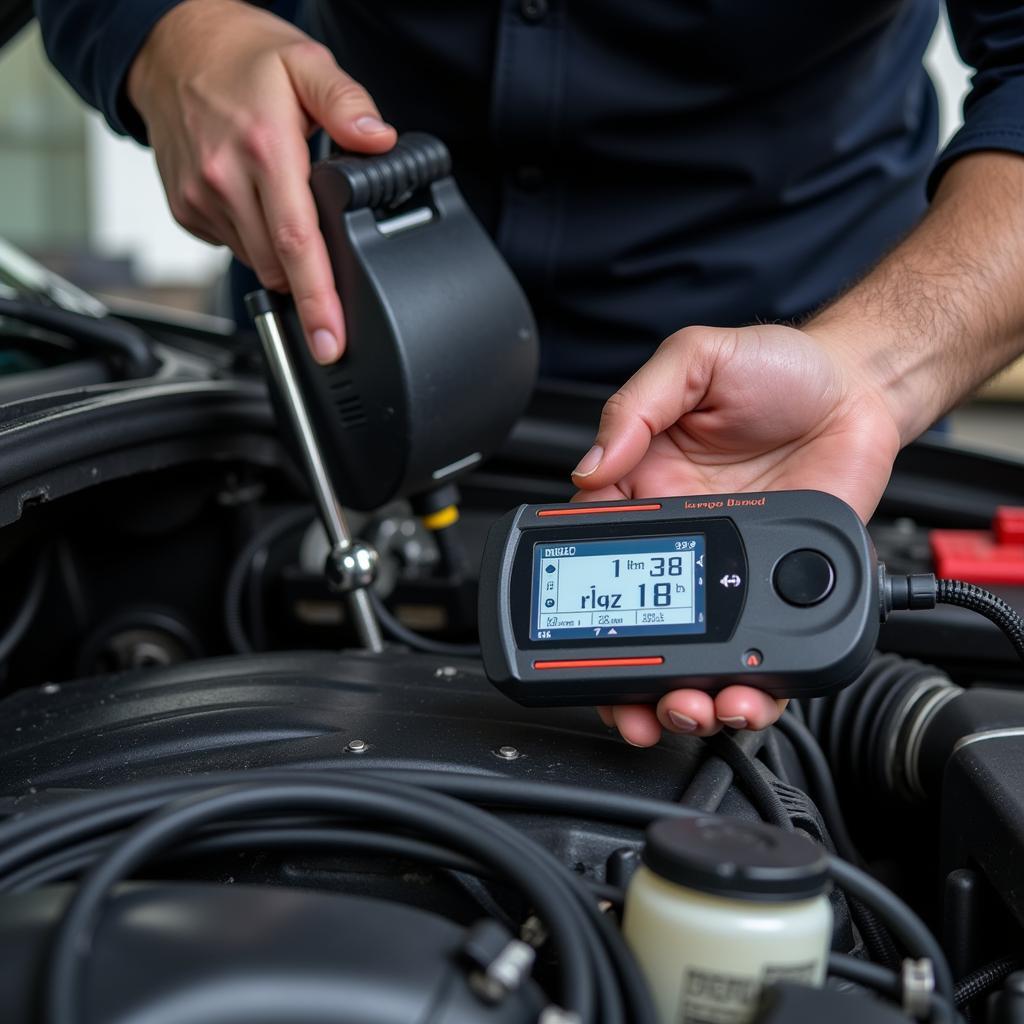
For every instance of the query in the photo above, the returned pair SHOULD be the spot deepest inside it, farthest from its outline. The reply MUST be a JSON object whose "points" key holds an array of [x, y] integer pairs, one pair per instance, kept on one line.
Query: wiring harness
{"points": [[105, 837]]}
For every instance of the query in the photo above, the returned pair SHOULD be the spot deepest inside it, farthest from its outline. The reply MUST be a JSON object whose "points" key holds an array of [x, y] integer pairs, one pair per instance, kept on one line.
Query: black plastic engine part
{"points": [[983, 809], [1007, 1006], [292, 708], [786, 1003], [442, 347], [185, 952]]}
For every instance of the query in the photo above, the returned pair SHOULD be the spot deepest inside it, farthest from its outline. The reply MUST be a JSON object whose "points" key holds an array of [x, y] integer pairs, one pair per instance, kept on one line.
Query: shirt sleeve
{"points": [[92, 43], [989, 35]]}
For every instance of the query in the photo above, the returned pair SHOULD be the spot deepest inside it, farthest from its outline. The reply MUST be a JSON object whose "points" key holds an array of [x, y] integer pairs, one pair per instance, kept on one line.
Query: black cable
{"points": [[537, 872], [234, 591], [771, 756], [67, 863], [921, 591], [403, 635], [107, 334], [765, 798], [382, 803], [984, 602], [57, 866], [70, 861], [26, 837], [867, 974], [754, 785], [713, 778], [983, 980], [885, 982], [907, 927], [25, 615], [820, 782], [254, 599], [877, 939]]}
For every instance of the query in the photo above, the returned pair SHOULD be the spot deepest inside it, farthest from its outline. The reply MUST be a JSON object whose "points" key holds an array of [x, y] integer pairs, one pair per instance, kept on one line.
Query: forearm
{"points": [[944, 311]]}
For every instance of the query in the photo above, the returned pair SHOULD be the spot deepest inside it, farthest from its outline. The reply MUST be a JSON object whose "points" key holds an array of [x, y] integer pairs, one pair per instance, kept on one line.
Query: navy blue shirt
{"points": [[649, 164]]}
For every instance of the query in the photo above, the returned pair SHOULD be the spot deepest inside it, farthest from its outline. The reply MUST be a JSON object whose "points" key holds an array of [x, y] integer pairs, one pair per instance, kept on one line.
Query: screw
{"points": [[508, 753], [446, 672], [51, 688], [357, 746]]}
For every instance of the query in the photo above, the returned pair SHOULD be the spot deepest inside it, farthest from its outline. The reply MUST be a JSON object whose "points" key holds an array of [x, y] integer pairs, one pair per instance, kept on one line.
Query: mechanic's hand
{"points": [[717, 411], [229, 95]]}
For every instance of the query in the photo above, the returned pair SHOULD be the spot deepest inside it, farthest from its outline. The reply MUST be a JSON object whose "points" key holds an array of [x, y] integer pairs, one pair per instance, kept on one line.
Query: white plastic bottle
{"points": [[719, 908]]}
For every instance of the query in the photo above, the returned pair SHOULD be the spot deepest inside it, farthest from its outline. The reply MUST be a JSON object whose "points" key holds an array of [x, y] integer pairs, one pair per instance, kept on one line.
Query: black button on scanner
{"points": [[804, 577]]}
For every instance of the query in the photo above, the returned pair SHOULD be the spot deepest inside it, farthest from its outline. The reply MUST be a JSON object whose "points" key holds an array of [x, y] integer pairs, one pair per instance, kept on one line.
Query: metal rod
{"points": [[268, 327], [365, 620]]}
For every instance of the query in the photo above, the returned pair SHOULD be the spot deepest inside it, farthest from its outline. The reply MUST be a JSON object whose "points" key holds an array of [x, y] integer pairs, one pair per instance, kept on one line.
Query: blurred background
{"points": [[88, 204]]}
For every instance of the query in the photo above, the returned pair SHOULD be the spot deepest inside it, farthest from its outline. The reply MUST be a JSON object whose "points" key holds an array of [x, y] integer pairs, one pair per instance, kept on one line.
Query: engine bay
{"points": [[217, 807]]}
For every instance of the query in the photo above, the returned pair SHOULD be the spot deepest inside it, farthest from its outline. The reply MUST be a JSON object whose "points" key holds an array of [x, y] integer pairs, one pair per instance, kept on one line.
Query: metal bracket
{"points": [[918, 979]]}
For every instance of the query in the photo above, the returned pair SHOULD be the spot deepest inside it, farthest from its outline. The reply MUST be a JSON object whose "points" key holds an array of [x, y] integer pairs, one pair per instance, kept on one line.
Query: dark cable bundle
{"points": [[111, 835]]}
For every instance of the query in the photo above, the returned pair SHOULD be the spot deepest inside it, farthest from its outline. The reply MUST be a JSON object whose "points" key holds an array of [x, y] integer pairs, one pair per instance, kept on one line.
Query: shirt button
{"points": [[533, 10], [529, 177]]}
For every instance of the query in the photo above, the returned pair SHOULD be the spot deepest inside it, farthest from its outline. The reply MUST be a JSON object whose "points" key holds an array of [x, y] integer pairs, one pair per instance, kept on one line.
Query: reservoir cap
{"points": [[737, 859]]}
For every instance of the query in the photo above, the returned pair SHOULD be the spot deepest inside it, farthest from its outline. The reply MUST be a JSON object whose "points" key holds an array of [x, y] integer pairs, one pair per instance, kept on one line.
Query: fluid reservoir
{"points": [[721, 907]]}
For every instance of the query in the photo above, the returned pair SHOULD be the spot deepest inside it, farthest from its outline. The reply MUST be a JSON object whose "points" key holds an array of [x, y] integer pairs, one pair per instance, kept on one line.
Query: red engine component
{"points": [[983, 556]]}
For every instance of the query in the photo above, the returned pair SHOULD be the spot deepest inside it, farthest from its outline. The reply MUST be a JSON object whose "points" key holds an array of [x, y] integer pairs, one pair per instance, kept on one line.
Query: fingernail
{"points": [[370, 125], [632, 744], [733, 721], [589, 462], [325, 346], [684, 723]]}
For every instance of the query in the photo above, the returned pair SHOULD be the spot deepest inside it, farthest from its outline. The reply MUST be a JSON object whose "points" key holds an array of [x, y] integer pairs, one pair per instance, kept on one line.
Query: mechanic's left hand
{"points": [[720, 411]]}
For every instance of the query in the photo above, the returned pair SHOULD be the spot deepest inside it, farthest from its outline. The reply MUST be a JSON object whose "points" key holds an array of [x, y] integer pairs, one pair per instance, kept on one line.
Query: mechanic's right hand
{"points": [[229, 95]]}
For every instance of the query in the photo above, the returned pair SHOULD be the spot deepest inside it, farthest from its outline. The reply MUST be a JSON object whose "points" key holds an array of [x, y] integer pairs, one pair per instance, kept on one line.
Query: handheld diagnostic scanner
{"points": [[621, 602]]}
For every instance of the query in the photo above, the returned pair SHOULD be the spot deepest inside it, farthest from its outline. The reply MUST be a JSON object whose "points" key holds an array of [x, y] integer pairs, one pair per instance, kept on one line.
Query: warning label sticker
{"points": [[717, 997]]}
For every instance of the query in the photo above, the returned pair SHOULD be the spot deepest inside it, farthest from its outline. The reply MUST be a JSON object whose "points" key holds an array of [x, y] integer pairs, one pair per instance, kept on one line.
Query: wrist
{"points": [[167, 36], [867, 355]]}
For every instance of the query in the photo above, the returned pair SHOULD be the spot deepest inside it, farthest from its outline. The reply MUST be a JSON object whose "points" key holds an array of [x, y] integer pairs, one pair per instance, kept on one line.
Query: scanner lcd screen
{"points": [[607, 589]]}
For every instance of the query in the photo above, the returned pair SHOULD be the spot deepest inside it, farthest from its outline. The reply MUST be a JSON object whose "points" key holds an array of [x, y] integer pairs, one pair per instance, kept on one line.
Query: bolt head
{"points": [[357, 746], [508, 753], [352, 568], [446, 672]]}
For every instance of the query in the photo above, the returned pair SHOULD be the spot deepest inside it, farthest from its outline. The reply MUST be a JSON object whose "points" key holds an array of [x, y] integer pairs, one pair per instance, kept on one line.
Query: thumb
{"points": [[673, 382], [337, 102]]}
